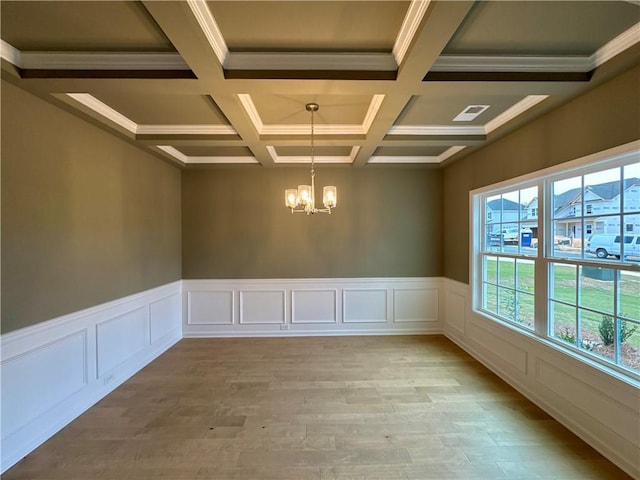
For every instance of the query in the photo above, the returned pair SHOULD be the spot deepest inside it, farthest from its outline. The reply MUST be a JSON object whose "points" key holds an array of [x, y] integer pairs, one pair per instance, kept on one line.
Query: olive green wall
{"points": [[605, 117], [86, 217], [388, 223]]}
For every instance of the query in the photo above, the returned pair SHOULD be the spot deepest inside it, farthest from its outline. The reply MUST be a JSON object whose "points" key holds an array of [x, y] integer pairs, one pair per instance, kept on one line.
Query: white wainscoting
{"points": [[601, 409], [298, 307], [55, 370]]}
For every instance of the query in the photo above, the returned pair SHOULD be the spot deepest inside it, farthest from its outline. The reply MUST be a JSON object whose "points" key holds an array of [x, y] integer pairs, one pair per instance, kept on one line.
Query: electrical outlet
{"points": [[284, 327], [108, 379]]}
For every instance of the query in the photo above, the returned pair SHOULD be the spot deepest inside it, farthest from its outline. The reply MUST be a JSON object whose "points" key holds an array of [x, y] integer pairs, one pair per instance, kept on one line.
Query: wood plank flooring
{"points": [[323, 408]]}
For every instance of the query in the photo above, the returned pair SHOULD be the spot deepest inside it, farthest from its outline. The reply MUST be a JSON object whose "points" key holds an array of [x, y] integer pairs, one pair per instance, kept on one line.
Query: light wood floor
{"points": [[314, 408]]}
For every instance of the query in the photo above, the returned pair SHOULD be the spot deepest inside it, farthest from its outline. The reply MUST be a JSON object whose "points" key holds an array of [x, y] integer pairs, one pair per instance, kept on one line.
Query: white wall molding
{"points": [[410, 24], [210, 28], [317, 159], [600, 408], [307, 307], [342, 61], [55, 370]]}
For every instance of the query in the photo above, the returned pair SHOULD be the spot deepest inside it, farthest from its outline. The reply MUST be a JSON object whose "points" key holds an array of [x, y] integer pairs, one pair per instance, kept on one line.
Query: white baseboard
{"points": [[601, 409], [307, 307], [55, 370]]}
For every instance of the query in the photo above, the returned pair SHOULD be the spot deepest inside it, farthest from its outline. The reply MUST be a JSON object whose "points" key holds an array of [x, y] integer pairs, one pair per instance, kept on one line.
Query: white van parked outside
{"points": [[604, 245]]}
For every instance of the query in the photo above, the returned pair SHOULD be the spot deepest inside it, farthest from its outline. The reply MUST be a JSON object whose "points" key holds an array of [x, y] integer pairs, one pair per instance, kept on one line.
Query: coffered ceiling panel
{"points": [[165, 109], [216, 151], [332, 26], [410, 151], [290, 109], [436, 109], [81, 26], [301, 151], [226, 82], [541, 27]]}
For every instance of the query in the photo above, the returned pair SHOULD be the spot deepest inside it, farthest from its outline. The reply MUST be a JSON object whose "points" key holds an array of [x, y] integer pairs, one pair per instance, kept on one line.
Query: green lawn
{"points": [[594, 293]]}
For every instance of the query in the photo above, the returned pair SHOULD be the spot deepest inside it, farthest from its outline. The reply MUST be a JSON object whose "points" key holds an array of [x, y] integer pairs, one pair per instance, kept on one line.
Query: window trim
{"points": [[544, 258]]}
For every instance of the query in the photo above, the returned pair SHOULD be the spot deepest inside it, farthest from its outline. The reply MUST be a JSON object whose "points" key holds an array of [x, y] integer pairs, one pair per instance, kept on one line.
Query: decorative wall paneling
{"points": [[55, 370], [332, 306], [600, 408]]}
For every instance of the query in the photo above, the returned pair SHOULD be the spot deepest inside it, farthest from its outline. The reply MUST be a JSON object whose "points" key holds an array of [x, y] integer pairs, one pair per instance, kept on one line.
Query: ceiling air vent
{"points": [[470, 112]]}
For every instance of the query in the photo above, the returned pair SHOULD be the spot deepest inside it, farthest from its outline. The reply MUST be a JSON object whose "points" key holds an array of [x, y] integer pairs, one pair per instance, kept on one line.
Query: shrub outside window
{"points": [[557, 255]]}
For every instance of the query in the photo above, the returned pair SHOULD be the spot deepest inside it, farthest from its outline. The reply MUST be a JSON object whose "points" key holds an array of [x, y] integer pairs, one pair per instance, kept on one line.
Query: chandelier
{"points": [[302, 200]]}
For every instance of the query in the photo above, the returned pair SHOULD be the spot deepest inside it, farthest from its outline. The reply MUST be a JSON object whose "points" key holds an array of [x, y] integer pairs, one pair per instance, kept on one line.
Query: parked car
{"points": [[605, 245]]}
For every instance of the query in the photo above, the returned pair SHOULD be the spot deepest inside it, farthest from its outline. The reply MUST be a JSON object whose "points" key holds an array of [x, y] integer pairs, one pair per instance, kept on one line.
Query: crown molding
{"points": [[374, 106], [104, 110], [451, 151], [494, 63], [250, 108], [210, 28], [91, 60], [403, 159], [336, 129], [221, 160], [178, 155], [522, 106], [416, 159], [116, 117], [317, 159], [175, 153], [102, 61], [409, 27], [10, 54], [499, 63], [185, 130], [436, 130], [619, 44], [381, 62]]}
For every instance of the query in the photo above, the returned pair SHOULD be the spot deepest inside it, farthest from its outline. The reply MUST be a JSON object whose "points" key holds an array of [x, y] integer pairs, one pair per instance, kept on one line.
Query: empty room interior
{"points": [[326, 240]]}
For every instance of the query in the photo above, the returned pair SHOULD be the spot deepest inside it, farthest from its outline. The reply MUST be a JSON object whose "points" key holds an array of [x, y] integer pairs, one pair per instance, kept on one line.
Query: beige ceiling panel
{"points": [[211, 151], [81, 26], [152, 109], [440, 109], [542, 28], [321, 151], [290, 109], [309, 25], [414, 151]]}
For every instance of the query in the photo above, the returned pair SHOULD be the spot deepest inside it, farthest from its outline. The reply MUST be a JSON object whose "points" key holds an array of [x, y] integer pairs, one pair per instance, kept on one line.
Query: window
{"points": [[573, 284]]}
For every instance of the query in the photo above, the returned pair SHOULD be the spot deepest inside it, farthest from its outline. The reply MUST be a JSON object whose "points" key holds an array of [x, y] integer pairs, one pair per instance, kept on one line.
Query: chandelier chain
{"points": [[312, 142]]}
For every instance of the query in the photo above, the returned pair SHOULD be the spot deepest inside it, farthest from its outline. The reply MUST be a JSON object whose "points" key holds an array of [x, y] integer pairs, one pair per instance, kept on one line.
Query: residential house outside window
{"points": [[556, 288]]}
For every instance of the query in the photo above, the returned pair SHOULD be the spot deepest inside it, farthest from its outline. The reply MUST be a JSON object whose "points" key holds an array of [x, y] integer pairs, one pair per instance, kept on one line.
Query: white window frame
{"points": [[544, 258]]}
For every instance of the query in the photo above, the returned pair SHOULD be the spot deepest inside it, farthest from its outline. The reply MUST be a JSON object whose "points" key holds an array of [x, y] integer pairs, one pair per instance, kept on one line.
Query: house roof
{"points": [[606, 191], [504, 204], [216, 82]]}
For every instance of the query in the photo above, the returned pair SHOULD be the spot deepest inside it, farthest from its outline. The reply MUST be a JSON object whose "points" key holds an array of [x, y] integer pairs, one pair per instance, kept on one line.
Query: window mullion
{"points": [[541, 268]]}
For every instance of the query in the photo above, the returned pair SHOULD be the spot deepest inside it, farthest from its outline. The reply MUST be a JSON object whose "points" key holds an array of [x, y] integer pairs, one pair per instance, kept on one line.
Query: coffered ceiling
{"points": [[224, 82]]}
